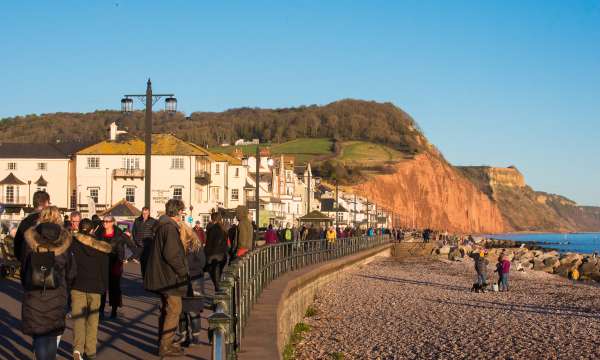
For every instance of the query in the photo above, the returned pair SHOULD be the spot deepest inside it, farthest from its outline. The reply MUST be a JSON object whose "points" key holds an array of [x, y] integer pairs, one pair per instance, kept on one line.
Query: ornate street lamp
{"points": [[148, 99]]}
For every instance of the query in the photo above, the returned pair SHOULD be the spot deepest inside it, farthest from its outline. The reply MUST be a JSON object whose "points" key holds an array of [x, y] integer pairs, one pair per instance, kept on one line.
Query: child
{"points": [[504, 275], [499, 270]]}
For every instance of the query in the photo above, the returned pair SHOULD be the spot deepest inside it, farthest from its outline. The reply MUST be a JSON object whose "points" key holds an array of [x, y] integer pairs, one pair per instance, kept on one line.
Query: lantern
{"points": [[171, 104], [126, 105]]}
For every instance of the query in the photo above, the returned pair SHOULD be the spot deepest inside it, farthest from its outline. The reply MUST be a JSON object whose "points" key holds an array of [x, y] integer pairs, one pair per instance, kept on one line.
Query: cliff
{"points": [[525, 209], [429, 192]]}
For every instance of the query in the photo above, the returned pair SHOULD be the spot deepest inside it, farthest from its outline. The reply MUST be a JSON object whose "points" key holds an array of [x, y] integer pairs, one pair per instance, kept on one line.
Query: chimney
{"points": [[115, 132]]}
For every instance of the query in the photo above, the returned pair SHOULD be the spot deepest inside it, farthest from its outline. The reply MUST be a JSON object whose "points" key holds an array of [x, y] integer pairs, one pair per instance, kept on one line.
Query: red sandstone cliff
{"points": [[435, 195]]}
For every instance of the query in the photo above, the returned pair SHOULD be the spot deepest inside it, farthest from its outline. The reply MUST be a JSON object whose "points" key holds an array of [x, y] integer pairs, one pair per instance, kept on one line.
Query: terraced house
{"points": [[113, 170]]}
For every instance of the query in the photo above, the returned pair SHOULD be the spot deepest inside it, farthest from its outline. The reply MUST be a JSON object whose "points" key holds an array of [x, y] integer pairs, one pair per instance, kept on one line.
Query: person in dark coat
{"points": [[43, 312], [111, 234], [216, 248], [142, 234], [167, 274], [41, 200], [91, 256]]}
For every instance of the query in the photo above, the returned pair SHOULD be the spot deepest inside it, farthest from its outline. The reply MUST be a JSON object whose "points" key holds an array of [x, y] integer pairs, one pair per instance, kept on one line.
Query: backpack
{"points": [[41, 272], [288, 235]]}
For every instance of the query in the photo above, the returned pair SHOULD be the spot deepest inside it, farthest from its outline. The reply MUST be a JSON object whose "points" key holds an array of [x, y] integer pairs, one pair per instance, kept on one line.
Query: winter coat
{"points": [[216, 243], [271, 237], [505, 266], [245, 229], [200, 234], [19, 242], [167, 268], [91, 256], [480, 264], [331, 236], [118, 242], [142, 230], [43, 312]]}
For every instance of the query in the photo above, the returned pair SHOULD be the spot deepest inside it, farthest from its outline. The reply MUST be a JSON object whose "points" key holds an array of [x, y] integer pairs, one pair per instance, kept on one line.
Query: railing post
{"points": [[218, 325]]}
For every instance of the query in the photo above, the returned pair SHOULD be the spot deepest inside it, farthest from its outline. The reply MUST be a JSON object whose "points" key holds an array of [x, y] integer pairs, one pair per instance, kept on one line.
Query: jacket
{"points": [[25, 224], [331, 236], [91, 256], [271, 237], [43, 312], [480, 264], [505, 266], [167, 269], [118, 242], [142, 230], [245, 229], [216, 243]]}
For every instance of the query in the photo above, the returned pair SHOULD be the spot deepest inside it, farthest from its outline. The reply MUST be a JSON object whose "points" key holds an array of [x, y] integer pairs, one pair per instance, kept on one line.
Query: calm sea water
{"points": [[585, 243]]}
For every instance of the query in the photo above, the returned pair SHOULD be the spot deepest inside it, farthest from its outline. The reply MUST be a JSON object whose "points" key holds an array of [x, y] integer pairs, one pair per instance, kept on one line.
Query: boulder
{"points": [[565, 270], [595, 276], [527, 265], [552, 262], [455, 254], [589, 267], [570, 258], [444, 250], [538, 265]]}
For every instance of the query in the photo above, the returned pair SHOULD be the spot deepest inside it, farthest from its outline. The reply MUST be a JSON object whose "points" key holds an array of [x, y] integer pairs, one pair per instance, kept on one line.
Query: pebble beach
{"points": [[423, 309]]}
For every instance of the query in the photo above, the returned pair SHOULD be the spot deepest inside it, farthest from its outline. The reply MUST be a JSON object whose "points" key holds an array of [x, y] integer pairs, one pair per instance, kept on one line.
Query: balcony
{"points": [[128, 173], [202, 177], [13, 200]]}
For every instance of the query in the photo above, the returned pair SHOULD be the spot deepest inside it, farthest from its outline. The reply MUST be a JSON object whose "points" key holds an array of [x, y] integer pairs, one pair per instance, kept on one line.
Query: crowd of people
{"points": [[71, 267]]}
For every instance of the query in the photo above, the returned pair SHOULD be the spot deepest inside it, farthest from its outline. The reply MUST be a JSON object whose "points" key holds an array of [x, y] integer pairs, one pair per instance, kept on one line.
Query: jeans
{"points": [[85, 321], [45, 347], [504, 282], [170, 310], [481, 278]]}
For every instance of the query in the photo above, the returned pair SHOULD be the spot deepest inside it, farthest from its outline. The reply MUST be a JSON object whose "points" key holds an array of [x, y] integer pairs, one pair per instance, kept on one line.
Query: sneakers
{"points": [[170, 351]]}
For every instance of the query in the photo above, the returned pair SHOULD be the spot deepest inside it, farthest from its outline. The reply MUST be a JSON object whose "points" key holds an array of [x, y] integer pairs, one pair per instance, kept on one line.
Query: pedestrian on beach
{"points": [[215, 249], [142, 234], [505, 269], [114, 236], [167, 274], [91, 256], [48, 270], [481, 270]]}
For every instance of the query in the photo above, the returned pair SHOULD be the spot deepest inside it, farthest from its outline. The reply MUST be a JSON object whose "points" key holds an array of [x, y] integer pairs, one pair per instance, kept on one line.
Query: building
{"points": [[27, 168]]}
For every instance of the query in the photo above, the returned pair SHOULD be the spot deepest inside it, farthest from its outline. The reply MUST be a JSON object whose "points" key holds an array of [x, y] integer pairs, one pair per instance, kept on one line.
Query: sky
{"points": [[490, 82]]}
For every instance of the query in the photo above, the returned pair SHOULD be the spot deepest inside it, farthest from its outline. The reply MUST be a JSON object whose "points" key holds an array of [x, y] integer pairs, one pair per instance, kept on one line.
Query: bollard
{"points": [[218, 325]]}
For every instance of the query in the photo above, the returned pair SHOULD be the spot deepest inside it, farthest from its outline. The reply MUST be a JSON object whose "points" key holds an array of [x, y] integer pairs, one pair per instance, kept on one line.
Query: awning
{"points": [[122, 209], [11, 179], [41, 181], [315, 215]]}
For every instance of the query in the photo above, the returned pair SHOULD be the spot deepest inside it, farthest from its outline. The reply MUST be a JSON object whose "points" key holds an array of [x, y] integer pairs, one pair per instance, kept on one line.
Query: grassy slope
{"points": [[302, 149], [365, 152]]}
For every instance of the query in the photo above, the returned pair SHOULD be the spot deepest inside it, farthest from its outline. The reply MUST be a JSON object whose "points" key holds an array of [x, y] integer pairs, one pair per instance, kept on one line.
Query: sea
{"points": [[584, 243]]}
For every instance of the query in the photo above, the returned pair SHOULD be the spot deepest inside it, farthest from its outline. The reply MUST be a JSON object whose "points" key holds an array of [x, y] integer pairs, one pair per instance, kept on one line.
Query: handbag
{"points": [[41, 271]]}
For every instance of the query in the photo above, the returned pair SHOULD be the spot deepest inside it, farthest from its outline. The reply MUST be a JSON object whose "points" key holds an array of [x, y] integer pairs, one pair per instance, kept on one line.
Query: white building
{"points": [[112, 170], [27, 168]]}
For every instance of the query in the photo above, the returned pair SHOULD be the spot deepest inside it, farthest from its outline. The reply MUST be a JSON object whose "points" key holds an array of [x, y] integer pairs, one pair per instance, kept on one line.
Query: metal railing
{"points": [[244, 280]]}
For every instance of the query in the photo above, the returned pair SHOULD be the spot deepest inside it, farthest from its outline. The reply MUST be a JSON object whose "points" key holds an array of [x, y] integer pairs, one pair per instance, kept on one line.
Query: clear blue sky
{"points": [[495, 83]]}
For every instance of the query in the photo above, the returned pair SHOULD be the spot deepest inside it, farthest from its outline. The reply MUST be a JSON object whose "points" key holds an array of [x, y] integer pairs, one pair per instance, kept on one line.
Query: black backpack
{"points": [[41, 272]]}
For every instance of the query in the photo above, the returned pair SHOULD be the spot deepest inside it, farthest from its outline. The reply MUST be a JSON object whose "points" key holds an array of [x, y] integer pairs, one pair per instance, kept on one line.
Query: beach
{"points": [[423, 308]]}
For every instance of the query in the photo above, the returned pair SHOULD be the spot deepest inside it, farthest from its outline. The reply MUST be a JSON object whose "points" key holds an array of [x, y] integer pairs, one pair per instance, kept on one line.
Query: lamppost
{"points": [[29, 197], [149, 99]]}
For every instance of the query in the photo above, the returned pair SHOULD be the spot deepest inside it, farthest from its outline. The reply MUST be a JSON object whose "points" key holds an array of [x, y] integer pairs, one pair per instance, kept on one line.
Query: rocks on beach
{"points": [[548, 261]]}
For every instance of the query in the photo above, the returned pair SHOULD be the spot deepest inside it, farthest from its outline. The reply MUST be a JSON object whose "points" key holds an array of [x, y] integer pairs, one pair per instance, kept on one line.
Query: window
{"points": [[205, 220], [215, 194], [130, 194], [41, 188], [177, 163], [94, 194], [131, 163], [178, 193], [237, 172], [10, 194], [235, 194], [42, 166], [12, 166], [93, 163], [340, 216], [74, 199], [217, 169]]}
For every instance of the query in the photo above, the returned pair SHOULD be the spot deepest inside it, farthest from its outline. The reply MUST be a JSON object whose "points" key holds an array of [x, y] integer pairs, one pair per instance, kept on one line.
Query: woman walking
{"points": [[216, 248], [111, 234], [48, 270]]}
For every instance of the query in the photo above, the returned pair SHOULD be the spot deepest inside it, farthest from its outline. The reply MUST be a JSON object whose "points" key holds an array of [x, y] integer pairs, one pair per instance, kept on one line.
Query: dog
{"points": [[478, 288]]}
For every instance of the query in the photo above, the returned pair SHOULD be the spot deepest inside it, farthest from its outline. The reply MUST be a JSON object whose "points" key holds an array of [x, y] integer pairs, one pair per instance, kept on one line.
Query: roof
{"points": [[162, 144], [122, 209], [264, 177], [11, 179], [328, 205], [41, 181], [39, 151], [226, 158], [315, 215]]}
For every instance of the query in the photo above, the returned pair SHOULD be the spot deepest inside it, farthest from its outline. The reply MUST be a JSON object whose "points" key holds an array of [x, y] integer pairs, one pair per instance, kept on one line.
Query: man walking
{"points": [[167, 274], [142, 234], [41, 200]]}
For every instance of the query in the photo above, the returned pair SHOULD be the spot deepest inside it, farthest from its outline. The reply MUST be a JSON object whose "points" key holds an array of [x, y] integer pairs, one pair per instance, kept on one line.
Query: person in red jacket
{"points": [[271, 236], [504, 275]]}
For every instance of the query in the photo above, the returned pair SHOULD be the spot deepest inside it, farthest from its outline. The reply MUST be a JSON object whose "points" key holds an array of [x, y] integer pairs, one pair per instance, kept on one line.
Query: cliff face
{"points": [[432, 193], [524, 209]]}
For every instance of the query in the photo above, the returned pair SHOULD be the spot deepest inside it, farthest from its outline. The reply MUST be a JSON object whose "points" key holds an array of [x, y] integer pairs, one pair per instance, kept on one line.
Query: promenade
{"points": [[423, 309], [133, 335]]}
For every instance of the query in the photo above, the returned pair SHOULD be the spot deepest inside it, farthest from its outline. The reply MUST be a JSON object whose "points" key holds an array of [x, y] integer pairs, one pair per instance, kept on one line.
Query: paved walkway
{"points": [[133, 336]]}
